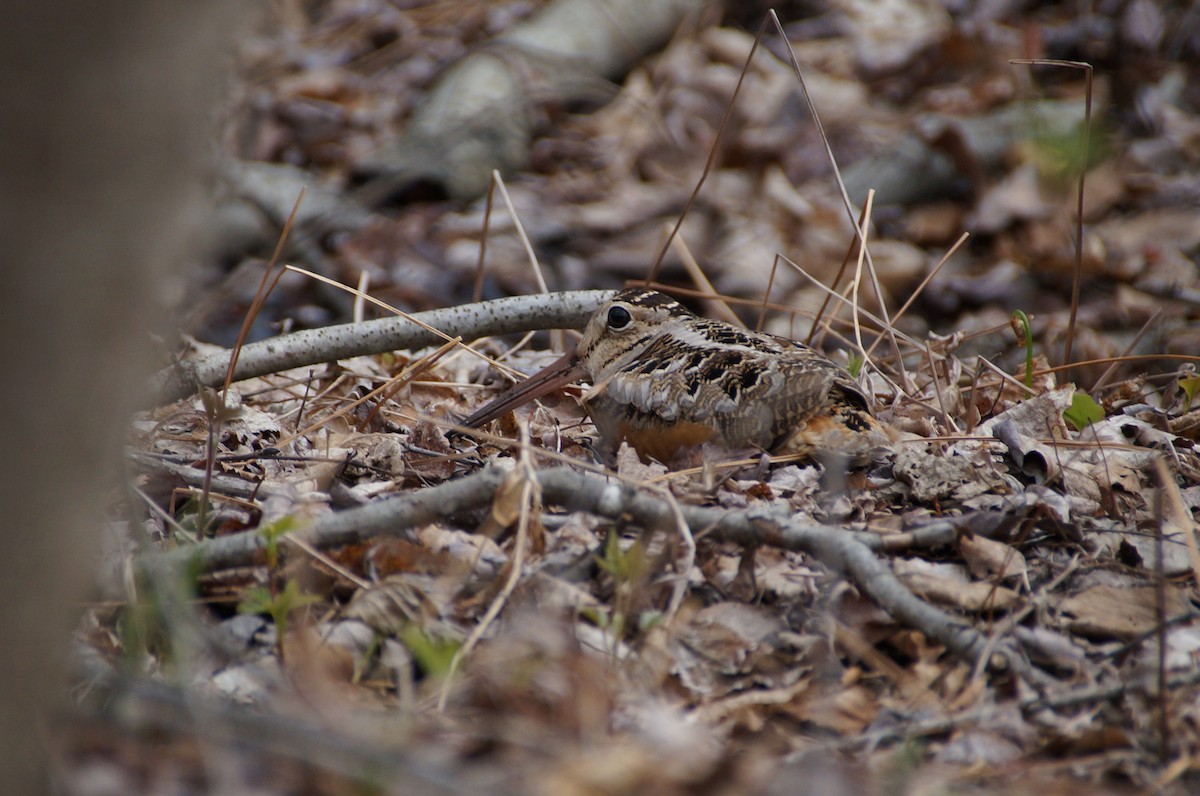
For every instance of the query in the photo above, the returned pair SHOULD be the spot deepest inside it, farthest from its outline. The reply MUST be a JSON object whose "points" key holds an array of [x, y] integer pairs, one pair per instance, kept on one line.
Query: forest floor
{"points": [[311, 588]]}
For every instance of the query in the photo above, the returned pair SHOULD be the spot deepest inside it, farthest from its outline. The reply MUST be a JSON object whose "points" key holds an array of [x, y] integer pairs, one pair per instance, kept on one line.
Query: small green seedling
{"points": [[279, 606], [628, 568], [1020, 325], [271, 533], [624, 566], [275, 603], [432, 654], [1083, 411]]}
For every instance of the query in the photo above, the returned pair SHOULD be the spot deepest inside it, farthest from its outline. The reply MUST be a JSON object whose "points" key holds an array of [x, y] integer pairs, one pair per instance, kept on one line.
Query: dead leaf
{"points": [[1106, 611], [845, 711], [506, 506], [991, 559], [933, 583]]}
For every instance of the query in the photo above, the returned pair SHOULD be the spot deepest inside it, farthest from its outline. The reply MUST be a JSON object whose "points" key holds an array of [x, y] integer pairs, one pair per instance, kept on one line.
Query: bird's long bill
{"points": [[562, 372]]}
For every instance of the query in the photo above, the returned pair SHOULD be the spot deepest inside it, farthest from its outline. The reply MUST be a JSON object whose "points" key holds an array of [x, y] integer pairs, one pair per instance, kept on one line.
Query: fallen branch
{"points": [[840, 550], [313, 346]]}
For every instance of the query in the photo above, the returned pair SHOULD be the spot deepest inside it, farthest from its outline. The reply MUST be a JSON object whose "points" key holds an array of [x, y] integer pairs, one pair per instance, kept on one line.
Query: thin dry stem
{"points": [[360, 302], [924, 284], [712, 158], [717, 305], [851, 248], [762, 310], [1137, 338], [857, 281], [837, 175], [477, 288], [264, 290]]}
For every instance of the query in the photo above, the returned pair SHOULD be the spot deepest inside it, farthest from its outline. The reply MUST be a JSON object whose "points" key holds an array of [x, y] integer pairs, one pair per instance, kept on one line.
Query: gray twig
{"points": [[844, 552], [469, 321]]}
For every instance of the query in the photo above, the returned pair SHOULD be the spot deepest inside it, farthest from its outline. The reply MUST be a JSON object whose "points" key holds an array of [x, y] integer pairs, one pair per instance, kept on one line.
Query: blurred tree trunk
{"points": [[104, 121]]}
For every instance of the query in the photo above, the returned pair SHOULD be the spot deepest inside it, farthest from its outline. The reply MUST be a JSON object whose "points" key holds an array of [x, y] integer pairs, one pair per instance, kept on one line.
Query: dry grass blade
{"points": [[762, 309], [856, 282], [712, 159], [525, 244], [530, 498], [945, 258], [1137, 338], [360, 294], [818, 319], [947, 421], [270, 278], [717, 305], [915, 344], [380, 393], [837, 174], [477, 287], [1117, 360]]}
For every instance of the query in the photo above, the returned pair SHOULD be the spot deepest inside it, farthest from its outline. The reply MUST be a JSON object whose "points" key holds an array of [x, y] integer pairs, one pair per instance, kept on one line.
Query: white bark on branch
{"points": [[314, 346]]}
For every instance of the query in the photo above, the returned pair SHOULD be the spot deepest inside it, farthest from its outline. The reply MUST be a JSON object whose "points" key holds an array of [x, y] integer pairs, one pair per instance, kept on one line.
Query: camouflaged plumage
{"points": [[665, 380]]}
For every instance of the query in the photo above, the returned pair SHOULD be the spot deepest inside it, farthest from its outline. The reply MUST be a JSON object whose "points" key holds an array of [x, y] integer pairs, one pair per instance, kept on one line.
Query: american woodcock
{"points": [[665, 381]]}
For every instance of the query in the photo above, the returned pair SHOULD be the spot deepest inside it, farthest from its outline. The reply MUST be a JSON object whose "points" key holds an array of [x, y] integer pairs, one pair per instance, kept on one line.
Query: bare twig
{"points": [[1137, 338], [312, 346], [477, 288], [762, 310], [921, 287], [265, 286], [842, 552]]}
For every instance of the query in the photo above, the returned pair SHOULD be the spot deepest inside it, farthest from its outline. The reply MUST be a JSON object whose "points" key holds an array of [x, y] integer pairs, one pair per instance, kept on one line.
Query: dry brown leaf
{"points": [[955, 476], [727, 646], [991, 559], [932, 582], [506, 506], [846, 711], [1120, 612]]}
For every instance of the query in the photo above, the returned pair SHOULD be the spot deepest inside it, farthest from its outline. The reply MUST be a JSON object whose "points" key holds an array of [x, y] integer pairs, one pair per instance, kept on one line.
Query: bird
{"points": [[669, 382]]}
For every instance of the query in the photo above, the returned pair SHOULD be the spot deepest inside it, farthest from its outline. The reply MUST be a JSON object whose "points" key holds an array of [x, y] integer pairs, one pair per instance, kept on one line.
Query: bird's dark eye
{"points": [[618, 318]]}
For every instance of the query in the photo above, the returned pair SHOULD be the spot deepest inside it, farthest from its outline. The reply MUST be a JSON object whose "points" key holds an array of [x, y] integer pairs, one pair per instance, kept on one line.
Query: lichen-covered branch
{"points": [[313, 346], [842, 551]]}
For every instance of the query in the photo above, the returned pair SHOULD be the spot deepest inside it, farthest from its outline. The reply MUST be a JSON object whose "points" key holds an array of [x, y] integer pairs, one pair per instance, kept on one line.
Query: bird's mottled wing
{"points": [[750, 388]]}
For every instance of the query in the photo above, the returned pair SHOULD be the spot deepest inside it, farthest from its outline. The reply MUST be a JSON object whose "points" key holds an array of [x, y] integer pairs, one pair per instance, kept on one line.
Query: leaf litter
{"points": [[500, 642]]}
